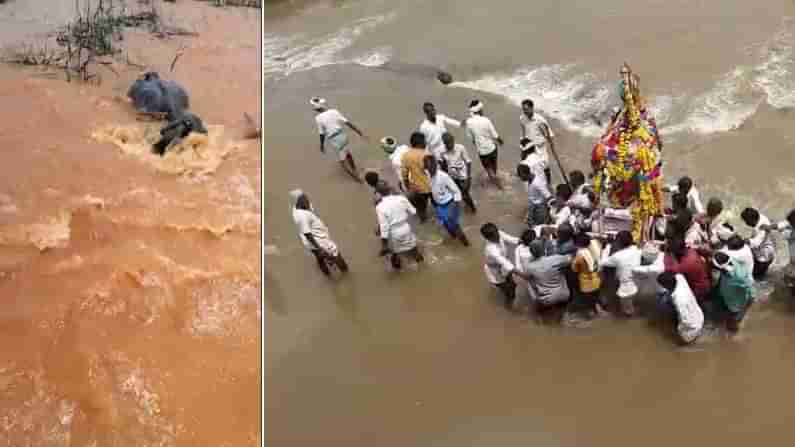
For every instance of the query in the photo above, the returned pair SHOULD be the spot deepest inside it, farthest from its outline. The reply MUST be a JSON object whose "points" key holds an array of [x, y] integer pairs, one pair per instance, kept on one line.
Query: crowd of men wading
{"points": [[697, 258]]}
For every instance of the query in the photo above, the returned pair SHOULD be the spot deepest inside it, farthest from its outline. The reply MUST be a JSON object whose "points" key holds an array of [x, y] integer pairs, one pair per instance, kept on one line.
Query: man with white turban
{"points": [[395, 152], [314, 234], [485, 139], [330, 124]]}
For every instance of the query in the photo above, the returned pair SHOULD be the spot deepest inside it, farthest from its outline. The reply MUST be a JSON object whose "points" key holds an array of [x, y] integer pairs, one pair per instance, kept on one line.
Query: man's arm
{"points": [[513, 240], [547, 133], [758, 237], [383, 229], [405, 172], [467, 160], [562, 261], [494, 134], [697, 203], [312, 241], [409, 207], [608, 258], [656, 267], [354, 128], [507, 265], [322, 143], [457, 196], [452, 122]]}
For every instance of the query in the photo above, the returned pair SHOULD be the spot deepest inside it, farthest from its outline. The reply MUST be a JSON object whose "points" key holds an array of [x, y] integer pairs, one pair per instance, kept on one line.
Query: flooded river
{"points": [[429, 357], [130, 284]]}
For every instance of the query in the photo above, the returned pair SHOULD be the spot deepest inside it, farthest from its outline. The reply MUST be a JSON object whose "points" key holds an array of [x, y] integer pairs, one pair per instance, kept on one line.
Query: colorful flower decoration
{"points": [[626, 159]]}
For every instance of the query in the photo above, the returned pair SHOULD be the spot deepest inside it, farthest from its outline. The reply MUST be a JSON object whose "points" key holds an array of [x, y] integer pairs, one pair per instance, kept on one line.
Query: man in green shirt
{"points": [[735, 290]]}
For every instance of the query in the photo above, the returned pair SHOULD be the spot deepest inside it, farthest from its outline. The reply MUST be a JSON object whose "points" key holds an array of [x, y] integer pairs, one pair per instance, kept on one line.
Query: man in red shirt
{"points": [[687, 261]]}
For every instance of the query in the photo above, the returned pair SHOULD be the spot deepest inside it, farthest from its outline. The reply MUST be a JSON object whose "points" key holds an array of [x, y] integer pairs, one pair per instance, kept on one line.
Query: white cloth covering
{"points": [[497, 265], [393, 213]]}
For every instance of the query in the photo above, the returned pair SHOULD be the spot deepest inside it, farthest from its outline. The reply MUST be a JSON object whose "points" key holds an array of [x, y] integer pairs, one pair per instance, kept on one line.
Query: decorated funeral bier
{"points": [[627, 166]]}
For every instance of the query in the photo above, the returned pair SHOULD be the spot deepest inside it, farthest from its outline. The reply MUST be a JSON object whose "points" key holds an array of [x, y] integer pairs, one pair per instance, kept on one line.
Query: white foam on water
{"points": [[774, 75], [557, 92], [376, 58], [724, 107], [285, 55], [581, 101]]}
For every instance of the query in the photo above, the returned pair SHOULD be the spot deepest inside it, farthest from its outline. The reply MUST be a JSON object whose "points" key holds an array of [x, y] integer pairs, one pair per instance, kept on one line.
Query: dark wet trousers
{"points": [[760, 269], [420, 201], [463, 185], [508, 289], [323, 262]]}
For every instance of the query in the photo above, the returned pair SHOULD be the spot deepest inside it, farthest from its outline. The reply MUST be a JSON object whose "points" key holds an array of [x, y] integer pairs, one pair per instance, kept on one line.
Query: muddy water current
{"points": [[428, 356], [130, 284]]}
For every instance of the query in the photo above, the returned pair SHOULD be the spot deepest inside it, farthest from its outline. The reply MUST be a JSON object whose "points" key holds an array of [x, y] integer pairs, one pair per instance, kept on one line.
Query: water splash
{"points": [[285, 55]]}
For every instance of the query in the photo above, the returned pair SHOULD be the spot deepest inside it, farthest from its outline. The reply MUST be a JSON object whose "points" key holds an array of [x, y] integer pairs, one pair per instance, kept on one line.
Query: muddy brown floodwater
{"points": [[429, 357], [129, 284]]}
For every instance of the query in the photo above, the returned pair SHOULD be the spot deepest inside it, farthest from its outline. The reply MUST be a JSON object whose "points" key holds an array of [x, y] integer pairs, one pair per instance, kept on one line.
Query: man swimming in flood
{"points": [[330, 124]]}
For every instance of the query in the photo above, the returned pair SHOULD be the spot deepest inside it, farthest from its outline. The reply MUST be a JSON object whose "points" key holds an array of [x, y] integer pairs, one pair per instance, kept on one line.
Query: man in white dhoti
{"points": [[397, 236], [330, 124], [314, 234]]}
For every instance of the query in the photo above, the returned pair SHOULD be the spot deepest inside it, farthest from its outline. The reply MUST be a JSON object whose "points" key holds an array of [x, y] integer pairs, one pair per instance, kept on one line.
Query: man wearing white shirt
{"points": [[538, 196], [485, 139], [397, 236], [715, 220], [580, 197], [623, 255], [561, 211], [395, 152], [685, 186], [533, 159], [330, 124], [690, 317], [446, 198], [433, 127], [787, 228], [761, 241], [498, 267], [458, 164], [536, 129], [737, 249], [314, 234]]}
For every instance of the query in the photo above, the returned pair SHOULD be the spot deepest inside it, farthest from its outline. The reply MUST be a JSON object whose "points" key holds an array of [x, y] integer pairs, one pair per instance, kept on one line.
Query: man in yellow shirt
{"points": [[585, 266], [416, 180]]}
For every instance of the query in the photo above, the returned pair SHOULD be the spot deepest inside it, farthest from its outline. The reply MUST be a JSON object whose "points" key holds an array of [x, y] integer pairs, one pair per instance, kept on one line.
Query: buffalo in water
{"points": [[173, 133], [152, 95]]}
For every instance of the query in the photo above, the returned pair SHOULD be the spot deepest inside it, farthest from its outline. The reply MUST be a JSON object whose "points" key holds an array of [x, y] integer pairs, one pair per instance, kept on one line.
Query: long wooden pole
{"points": [[560, 165]]}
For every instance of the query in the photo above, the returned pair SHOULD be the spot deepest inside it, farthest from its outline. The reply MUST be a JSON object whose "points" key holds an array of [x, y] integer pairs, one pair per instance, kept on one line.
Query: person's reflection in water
{"points": [[274, 297], [346, 299]]}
